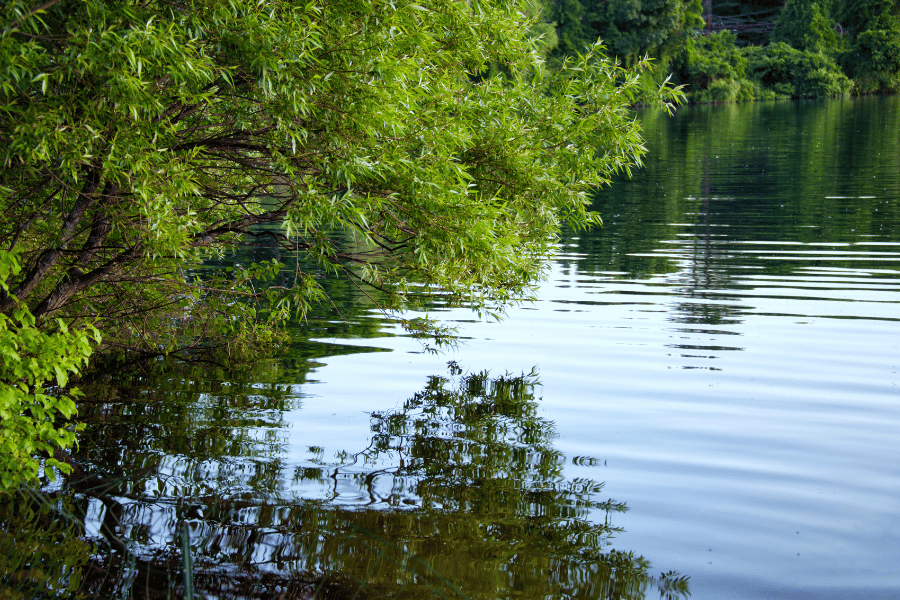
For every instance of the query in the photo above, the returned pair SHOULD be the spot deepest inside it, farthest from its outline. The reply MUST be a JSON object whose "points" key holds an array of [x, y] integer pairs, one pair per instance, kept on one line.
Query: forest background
{"points": [[726, 51]]}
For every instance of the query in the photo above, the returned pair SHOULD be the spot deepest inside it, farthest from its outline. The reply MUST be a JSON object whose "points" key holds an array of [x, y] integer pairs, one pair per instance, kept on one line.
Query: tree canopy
{"points": [[418, 148]]}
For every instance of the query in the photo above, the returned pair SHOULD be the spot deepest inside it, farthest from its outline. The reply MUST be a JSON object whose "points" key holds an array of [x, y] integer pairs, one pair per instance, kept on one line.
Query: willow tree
{"points": [[417, 148]]}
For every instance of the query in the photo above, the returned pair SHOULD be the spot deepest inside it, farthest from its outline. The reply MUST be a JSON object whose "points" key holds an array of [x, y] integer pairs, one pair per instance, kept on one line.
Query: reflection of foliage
{"points": [[709, 184], [465, 497], [494, 516], [481, 450], [226, 425], [40, 550]]}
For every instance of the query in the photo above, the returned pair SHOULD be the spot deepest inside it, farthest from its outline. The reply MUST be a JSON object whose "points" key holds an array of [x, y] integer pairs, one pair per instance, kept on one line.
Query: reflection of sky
{"points": [[751, 428]]}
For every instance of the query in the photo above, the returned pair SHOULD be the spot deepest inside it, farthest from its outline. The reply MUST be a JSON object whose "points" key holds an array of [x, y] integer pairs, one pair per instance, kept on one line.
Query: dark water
{"points": [[706, 388]]}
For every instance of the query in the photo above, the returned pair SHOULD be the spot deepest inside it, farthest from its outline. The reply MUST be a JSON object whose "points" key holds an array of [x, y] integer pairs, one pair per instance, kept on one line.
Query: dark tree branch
{"points": [[22, 19], [49, 258], [81, 281], [209, 236]]}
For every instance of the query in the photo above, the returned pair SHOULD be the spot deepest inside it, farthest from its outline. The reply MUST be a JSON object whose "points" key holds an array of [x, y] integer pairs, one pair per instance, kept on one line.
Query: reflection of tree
{"points": [[776, 172], [213, 427], [347, 313], [733, 197], [481, 465], [467, 498], [40, 549]]}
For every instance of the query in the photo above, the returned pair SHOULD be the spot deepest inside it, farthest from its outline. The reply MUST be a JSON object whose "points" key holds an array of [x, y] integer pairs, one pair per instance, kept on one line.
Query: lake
{"points": [[703, 399]]}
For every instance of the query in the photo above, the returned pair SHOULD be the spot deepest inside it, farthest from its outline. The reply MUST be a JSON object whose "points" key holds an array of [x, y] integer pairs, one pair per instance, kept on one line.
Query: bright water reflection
{"points": [[723, 355]]}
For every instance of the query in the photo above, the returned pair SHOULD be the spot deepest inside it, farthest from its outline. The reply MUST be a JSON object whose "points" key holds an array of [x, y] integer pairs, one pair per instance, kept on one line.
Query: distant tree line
{"points": [[728, 51]]}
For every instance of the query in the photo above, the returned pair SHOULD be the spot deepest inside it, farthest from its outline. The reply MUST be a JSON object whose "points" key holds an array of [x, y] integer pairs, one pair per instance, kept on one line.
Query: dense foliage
{"points": [[793, 49], [630, 29], [804, 25], [796, 73], [713, 68], [32, 358], [873, 59], [417, 148]]}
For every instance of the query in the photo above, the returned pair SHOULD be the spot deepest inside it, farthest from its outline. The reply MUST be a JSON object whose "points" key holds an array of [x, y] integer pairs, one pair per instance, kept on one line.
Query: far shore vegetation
{"points": [[725, 51]]}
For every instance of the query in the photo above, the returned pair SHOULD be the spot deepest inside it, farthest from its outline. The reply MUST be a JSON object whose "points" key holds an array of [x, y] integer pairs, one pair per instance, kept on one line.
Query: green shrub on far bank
{"points": [[818, 48], [873, 59], [791, 73], [713, 69], [806, 25], [876, 64]]}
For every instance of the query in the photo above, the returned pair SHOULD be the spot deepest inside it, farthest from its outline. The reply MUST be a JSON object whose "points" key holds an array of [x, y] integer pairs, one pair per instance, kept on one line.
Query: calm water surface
{"points": [[721, 359]]}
